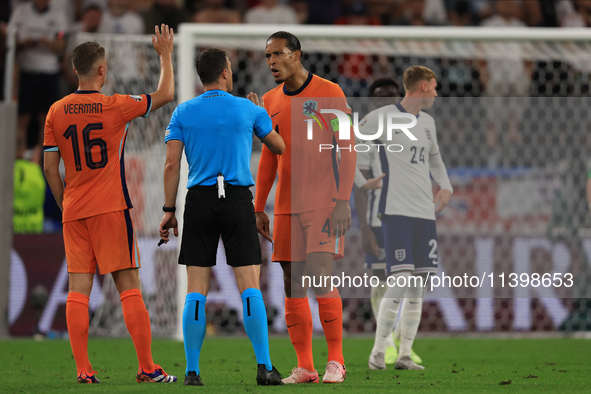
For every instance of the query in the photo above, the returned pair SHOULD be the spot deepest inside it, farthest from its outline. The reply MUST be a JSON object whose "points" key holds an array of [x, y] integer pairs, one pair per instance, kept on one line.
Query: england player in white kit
{"points": [[407, 211]]}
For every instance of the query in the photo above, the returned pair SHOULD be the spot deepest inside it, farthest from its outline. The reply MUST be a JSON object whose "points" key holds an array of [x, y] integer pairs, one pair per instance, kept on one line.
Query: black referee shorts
{"points": [[207, 217]]}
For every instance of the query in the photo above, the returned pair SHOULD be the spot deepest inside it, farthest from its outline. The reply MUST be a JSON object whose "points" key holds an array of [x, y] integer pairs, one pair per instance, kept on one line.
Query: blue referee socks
{"points": [[194, 327], [255, 324]]}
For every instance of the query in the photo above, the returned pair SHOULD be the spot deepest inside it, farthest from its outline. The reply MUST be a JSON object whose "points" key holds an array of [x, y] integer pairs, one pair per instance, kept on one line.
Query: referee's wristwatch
{"points": [[168, 209]]}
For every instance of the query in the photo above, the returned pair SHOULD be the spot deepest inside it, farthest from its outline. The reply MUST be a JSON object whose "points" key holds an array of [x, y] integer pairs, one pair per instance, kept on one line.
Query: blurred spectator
{"points": [[323, 12], [434, 12], [385, 10], [167, 12], [271, 12], [90, 21], [480, 9], [215, 12], [568, 16], [67, 8], [301, 9], [119, 18], [532, 13], [547, 13], [355, 69], [507, 77], [358, 14], [461, 15], [39, 43], [141, 6], [413, 15], [84, 4], [583, 7], [510, 78], [460, 75], [29, 196]]}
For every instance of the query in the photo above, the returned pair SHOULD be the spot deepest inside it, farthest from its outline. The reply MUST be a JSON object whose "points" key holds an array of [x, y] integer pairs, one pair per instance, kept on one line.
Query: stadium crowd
{"points": [[43, 59]]}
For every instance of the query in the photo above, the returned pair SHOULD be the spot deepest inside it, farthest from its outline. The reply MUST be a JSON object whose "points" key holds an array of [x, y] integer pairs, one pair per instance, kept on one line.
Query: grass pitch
{"points": [[228, 365]]}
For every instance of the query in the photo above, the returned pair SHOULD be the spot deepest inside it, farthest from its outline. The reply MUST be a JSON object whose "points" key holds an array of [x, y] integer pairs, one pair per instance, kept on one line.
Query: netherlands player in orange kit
{"points": [[88, 130], [312, 211]]}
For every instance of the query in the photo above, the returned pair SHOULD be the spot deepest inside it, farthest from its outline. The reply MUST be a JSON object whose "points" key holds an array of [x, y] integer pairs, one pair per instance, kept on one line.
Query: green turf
{"points": [[228, 366]]}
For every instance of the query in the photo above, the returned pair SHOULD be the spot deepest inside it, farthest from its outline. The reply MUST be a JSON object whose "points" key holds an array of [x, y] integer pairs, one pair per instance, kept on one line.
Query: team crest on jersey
{"points": [[136, 98], [310, 107], [400, 254], [428, 132]]}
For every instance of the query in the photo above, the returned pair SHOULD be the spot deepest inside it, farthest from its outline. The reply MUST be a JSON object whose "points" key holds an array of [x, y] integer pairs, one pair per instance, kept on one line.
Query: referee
{"points": [[215, 129]]}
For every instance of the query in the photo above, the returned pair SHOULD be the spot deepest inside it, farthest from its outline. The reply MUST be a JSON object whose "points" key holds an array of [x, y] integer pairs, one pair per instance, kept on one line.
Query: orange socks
{"points": [[77, 321], [330, 309], [299, 325], [137, 321]]}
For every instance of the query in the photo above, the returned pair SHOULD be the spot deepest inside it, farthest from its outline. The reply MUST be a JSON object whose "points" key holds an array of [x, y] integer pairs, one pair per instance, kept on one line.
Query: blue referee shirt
{"points": [[216, 129]]}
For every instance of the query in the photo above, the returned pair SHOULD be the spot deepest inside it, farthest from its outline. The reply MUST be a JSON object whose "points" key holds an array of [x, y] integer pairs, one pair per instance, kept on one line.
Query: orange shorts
{"points": [[107, 240], [296, 235]]}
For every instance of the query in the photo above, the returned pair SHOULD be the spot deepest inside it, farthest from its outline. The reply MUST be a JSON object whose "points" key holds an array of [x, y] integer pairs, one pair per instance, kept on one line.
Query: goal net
{"points": [[519, 204]]}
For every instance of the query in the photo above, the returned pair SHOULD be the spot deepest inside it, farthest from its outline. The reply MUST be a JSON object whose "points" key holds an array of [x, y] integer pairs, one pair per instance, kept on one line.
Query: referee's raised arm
{"points": [[273, 140]]}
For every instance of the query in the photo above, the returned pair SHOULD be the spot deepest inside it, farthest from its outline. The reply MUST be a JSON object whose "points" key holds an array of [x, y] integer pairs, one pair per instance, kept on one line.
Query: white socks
{"points": [[377, 294], [387, 313], [410, 316]]}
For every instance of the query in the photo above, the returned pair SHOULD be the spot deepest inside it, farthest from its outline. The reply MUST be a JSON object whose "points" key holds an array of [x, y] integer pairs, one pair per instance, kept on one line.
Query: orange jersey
{"points": [[89, 130], [309, 178]]}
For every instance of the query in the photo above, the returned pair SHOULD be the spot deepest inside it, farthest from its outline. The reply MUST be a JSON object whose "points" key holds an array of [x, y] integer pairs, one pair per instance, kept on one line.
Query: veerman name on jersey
{"points": [[80, 109]]}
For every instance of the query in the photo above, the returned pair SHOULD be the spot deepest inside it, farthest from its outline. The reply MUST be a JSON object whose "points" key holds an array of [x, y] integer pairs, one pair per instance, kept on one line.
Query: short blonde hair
{"points": [[414, 75]]}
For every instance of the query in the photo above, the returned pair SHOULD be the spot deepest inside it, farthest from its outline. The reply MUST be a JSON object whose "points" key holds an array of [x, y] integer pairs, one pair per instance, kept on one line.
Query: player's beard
{"points": [[279, 81]]}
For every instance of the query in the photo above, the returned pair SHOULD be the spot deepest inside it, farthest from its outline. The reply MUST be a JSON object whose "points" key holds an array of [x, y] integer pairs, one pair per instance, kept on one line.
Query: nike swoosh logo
{"points": [[410, 302], [324, 243], [328, 321], [275, 114], [376, 366], [396, 132], [293, 325]]}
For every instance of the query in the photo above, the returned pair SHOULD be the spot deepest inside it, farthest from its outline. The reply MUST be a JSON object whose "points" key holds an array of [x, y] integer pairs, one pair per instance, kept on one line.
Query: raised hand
{"points": [[163, 40], [255, 99]]}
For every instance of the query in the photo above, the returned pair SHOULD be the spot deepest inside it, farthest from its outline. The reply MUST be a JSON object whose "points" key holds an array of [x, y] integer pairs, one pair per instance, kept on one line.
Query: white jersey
{"points": [[370, 161], [407, 188], [34, 25]]}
